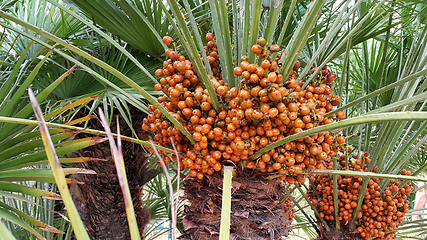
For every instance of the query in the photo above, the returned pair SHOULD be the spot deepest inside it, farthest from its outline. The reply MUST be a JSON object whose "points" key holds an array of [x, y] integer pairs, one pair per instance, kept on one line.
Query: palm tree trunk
{"points": [[257, 211], [100, 199]]}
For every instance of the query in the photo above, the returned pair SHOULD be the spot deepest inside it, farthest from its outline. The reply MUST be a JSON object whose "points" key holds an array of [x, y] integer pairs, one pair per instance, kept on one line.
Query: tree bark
{"points": [[257, 210], [100, 199]]}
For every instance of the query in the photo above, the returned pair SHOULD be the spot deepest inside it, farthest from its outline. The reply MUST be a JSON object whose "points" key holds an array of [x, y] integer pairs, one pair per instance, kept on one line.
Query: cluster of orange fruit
{"points": [[265, 108], [381, 212], [289, 206]]}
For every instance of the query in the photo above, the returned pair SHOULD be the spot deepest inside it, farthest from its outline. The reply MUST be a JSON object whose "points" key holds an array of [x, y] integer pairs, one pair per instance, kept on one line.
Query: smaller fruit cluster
{"points": [[289, 206], [381, 212]]}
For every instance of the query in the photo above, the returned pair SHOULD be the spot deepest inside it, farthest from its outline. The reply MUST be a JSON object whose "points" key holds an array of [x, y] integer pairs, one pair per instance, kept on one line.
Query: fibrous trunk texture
{"points": [[257, 209], [100, 199], [343, 233]]}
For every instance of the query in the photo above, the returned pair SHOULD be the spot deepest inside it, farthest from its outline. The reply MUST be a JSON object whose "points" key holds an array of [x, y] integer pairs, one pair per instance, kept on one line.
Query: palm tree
{"points": [[314, 33]]}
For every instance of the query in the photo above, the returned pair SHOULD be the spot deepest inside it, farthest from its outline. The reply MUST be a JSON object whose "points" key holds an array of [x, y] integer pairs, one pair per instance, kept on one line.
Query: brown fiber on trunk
{"points": [[340, 234], [100, 199], [257, 210]]}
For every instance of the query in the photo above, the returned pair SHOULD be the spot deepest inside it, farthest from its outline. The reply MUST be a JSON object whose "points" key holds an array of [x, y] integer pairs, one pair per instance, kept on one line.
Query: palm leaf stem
{"points": [[216, 25], [402, 81], [198, 38], [273, 17], [366, 119], [58, 173], [418, 171], [253, 35], [171, 195], [366, 175], [396, 161], [285, 25], [303, 212], [335, 186], [246, 25], [396, 105], [226, 35], [224, 232], [195, 59], [336, 26], [405, 143], [386, 141], [383, 60], [303, 195], [366, 76], [300, 37], [177, 176], [237, 33], [121, 175]]}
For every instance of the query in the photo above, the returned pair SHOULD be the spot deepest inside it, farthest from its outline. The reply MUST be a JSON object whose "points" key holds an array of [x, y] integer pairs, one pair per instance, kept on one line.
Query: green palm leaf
{"points": [[140, 24]]}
